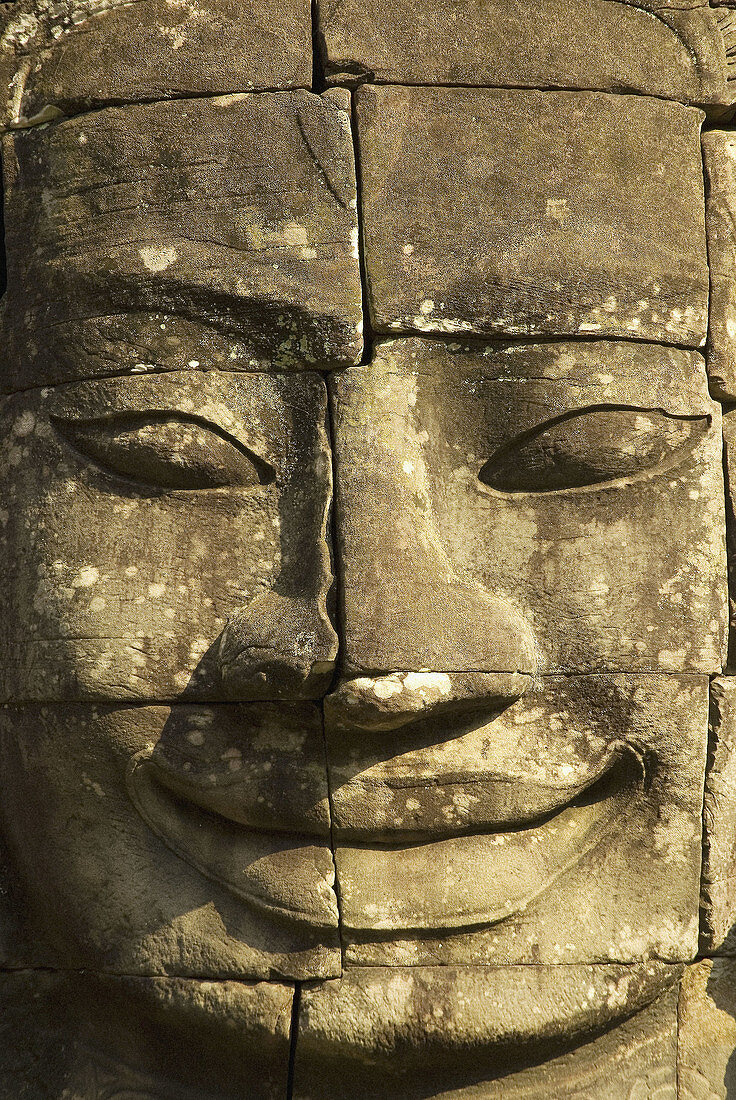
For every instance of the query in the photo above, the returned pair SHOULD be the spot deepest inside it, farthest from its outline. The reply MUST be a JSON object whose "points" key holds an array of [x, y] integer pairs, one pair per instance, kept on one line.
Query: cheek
{"points": [[113, 596], [623, 578], [71, 829], [100, 891]]}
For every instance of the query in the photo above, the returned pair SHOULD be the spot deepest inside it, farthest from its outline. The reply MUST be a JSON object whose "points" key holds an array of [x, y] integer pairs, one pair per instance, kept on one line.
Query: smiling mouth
{"points": [[478, 878], [462, 879]]}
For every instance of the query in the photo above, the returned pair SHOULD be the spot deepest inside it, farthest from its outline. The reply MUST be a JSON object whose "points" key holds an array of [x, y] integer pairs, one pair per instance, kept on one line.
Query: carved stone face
{"points": [[389, 673]]}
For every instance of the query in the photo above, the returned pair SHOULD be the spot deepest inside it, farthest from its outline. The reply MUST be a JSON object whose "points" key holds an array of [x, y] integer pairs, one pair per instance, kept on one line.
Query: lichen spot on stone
{"points": [[157, 260], [296, 234], [93, 786], [24, 424], [386, 687], [428, 683], [556, 209], [566, 361], [20, 31], [86, 577]]}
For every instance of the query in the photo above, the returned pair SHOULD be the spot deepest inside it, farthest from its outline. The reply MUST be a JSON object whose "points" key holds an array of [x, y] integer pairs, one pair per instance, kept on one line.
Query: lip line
{"points": [[607, 774], [615, 750]]}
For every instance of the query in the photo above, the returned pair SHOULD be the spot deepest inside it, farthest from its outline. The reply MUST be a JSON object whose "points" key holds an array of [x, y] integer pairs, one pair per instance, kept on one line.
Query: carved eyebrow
{"points": [[573, 414], [137, 417]]}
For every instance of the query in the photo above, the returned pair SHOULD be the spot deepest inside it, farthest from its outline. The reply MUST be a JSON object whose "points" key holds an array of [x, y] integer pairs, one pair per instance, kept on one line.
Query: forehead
{"points": [[519, 213], [218, 233], [669, 49], [59, 57], [222, 232]]}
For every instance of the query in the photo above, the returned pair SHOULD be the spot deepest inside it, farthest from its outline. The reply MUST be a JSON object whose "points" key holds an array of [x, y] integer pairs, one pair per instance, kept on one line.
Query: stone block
{"points": [[208, 233], [164, 537], [515, 213], [489, 1033], [169, 841], [75, 55], [718, 932], [729, 453], [564, 829], [506, 508], [719, 153], [680, 53], [707, 1031], [160, 1037]]}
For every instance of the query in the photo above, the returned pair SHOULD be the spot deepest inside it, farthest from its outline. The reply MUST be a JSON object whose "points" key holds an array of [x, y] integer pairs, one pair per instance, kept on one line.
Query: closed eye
{"points": [[591, 447], [166, 451]]}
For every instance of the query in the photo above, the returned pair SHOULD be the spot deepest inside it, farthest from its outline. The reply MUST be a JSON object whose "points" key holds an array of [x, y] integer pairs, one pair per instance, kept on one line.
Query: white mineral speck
{"points": [[86, 577], [556, 209], [295, 234], [158, 259]]}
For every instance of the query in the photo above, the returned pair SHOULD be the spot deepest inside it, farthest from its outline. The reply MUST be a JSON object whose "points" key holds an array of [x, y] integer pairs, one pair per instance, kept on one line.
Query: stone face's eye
{"points": [[591, 447], [166, 451]]}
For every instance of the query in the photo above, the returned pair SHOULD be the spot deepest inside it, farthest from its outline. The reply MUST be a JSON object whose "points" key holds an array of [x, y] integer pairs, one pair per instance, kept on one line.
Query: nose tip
{"points": [[394, 699], [453, 648], [279, 647]]}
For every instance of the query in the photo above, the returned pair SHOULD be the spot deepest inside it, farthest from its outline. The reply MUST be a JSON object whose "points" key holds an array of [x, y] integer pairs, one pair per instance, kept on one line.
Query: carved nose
{"points": [[444, 648], [279, 647], [421, 635]]}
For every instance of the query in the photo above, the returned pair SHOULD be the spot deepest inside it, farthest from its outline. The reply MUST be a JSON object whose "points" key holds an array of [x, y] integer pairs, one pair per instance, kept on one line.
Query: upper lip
{"points": [[419, 783], [288, 875], [378, 808]]}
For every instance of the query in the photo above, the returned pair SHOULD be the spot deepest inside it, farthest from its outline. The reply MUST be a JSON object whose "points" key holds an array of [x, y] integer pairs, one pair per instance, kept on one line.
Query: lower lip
{"points": [[451, 883], [479, 879]]}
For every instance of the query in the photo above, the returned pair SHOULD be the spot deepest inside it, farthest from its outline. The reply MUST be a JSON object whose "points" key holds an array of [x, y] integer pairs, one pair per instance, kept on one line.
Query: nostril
{"points": [[393, 699], [279, 647]]}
